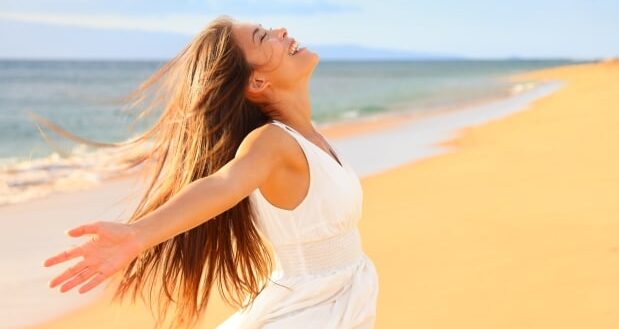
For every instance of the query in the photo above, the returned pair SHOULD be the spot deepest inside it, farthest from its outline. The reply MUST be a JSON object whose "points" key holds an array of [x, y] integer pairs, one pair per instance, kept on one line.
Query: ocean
{"points": [[82, 96]]}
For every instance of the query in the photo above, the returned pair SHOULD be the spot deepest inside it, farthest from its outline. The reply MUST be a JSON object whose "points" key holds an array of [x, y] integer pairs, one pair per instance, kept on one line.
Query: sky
{"points": [[473, 29]]}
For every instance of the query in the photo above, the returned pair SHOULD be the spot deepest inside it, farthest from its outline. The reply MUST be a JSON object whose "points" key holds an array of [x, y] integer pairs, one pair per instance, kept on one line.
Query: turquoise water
{"points": [[351, 89], [82, 97]]}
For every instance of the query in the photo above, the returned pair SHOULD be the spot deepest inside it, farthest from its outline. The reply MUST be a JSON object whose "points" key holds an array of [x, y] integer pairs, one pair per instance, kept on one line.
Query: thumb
{"points": [[90, 228]]}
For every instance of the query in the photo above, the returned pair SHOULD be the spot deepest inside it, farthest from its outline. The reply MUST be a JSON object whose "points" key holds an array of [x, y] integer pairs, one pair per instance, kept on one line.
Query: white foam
{"points": [[28, 179]]}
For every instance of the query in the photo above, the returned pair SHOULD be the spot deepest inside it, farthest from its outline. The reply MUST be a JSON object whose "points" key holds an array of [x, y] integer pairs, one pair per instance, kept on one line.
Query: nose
{"points": [[282, 32]]}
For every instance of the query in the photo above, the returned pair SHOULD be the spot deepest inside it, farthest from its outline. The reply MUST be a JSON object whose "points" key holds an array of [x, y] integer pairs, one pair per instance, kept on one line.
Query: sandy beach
{"points": [[516, 227]]}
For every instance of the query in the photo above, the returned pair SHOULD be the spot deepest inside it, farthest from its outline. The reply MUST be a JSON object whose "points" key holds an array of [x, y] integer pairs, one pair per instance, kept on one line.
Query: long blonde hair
{"points": [[205, 117]]}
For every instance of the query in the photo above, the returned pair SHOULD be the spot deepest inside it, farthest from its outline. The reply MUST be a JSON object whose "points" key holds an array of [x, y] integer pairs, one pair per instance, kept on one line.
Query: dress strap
{"points": [[334, 157], [295, 134], [312, 172], [283, 125]]}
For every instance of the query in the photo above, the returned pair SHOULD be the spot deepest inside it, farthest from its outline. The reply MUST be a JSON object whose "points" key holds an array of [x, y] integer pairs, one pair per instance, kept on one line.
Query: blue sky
{"points": [[473, 28]]}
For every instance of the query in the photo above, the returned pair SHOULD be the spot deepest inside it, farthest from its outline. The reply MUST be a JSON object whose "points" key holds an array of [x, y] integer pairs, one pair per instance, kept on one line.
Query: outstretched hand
{"points": [[112, 246]]}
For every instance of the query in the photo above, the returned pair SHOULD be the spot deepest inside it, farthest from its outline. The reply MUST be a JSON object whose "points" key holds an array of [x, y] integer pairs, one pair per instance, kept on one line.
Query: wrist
{"points": [[139, 236]]}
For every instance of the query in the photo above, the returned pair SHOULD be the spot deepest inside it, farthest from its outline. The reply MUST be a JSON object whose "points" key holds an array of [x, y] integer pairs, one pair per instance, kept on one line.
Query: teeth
{"points": [[294, 48]]}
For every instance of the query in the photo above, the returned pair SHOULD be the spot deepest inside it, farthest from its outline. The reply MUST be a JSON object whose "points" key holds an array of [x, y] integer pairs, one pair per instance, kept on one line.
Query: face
{"points": [[271, 52]]}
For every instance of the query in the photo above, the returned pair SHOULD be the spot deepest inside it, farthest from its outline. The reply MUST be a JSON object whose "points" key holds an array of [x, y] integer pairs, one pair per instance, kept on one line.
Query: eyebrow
{"points": [[253, 35]]}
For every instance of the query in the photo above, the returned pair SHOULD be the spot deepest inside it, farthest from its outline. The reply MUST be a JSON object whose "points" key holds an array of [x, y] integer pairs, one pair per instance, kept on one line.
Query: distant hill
{"points": [[41, 41], [356, 52]]}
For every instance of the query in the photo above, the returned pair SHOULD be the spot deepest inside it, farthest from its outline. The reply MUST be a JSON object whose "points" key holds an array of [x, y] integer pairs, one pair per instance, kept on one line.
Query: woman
{"points": [[240, 172]]}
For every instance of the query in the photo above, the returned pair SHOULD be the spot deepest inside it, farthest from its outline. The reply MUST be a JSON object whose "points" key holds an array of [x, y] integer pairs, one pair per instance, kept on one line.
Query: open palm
{"points": [[113, 245]]}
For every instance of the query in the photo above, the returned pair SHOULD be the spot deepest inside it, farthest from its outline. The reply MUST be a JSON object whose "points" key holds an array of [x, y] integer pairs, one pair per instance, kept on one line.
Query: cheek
{"points": [[275, 50], [286, 69], [273, 56], [284, 66]]}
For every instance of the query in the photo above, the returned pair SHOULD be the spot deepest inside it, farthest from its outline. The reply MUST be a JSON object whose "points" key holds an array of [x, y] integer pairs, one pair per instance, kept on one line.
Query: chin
{"points": [[315, 59], [308, 64], [312, 67], [316, 56]]}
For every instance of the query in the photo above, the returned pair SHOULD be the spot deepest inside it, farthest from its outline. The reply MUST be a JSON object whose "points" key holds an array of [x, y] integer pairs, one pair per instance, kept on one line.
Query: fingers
{"points": [[99, 277], [82, 276], [64, 256], [90, 228], [73, 270]]}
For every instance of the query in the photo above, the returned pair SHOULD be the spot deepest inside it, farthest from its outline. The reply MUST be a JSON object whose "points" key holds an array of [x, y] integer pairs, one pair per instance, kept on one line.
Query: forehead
{"points": [[247, 36], [246, 33]]}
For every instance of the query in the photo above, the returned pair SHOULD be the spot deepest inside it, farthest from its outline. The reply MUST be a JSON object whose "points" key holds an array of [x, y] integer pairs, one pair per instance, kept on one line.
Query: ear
{"points": [[258, 84]]}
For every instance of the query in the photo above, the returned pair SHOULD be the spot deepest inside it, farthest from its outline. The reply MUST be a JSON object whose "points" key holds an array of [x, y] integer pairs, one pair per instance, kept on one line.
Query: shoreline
{"points": [[369, 127], [89, 179], [389, 119]]}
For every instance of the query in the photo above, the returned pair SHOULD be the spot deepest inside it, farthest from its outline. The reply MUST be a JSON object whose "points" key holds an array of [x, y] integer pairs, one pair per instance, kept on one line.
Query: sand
{"points": [[516, 228]]}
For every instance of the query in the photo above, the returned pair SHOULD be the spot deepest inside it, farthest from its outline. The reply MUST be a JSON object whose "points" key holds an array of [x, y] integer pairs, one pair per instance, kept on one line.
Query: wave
{"points": [[22, 180]]}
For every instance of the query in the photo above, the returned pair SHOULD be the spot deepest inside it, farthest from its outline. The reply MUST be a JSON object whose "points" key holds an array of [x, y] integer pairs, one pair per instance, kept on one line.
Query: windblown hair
{"points": [[204, 118]]}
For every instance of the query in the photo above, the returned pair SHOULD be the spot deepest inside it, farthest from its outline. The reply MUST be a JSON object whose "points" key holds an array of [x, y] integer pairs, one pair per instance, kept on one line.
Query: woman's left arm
{"points": [[260, 153], [113, 245]]}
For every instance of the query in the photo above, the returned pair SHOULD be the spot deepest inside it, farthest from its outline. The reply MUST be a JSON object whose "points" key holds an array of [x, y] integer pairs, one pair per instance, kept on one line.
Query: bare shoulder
{"points": [[269, 141]]}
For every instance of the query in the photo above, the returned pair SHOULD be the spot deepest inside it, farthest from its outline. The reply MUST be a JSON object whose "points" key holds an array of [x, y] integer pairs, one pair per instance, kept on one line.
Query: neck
{"points": [[294, 109]]}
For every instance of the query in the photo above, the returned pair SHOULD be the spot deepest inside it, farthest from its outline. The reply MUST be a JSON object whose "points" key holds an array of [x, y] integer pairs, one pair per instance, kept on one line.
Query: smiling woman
{"points": [[239, 175]]}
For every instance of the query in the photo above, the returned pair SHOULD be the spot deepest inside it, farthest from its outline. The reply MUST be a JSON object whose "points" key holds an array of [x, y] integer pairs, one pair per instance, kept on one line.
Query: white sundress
{"points": [[322, 277]]}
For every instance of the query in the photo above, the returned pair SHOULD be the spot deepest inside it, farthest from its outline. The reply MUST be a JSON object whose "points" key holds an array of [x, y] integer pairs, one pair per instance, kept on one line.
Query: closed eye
{"points": [[264, 35]]}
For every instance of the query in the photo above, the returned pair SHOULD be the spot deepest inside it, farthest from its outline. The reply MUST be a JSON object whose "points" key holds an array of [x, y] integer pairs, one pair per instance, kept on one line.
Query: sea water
{"points": [[84, 98]]}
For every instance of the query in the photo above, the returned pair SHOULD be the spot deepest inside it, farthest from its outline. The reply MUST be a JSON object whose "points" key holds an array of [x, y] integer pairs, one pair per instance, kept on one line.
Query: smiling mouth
{"points": [[294, 48]]}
